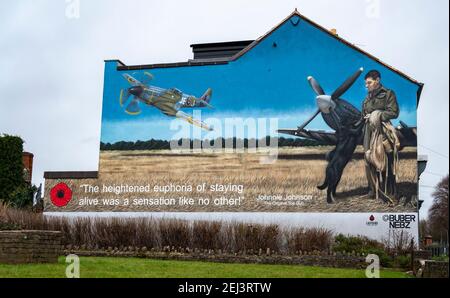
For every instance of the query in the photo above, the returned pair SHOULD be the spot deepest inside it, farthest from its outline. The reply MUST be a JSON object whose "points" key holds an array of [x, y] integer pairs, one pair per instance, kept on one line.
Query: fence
{"points": [[438, 250]]}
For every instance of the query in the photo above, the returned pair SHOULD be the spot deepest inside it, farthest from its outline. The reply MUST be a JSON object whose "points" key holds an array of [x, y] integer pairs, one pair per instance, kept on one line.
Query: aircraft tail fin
{"points": [[206, 98]]}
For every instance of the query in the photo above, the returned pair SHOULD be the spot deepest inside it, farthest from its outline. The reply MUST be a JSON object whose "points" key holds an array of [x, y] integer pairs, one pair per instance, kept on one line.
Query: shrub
{"points": [[398, 242], [145, 234], [308, 239], [385, 259], [359, 244], [21, 218], [206, 235], [158, 233], [363, 245], [442, 258], [23, 196], [174, 232], [403, 262], [7, 226], [255, 236], [11, 169]]}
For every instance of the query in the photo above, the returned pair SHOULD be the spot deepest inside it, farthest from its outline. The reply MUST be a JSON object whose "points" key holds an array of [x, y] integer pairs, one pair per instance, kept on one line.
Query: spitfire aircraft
{"points": [[337, 112], [168, 101]]}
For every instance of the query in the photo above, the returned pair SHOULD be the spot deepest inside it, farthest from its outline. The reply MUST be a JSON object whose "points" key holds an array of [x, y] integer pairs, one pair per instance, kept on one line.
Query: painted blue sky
{"points": [[266, 82]]}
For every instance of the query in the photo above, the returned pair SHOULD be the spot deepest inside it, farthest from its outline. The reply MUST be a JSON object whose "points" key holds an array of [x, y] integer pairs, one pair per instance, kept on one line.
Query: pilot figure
{"points": [[380, 140]]}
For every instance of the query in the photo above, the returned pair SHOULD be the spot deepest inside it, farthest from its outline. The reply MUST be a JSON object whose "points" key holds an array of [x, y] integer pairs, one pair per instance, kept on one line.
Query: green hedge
{"points": [[361, 244], [13, 188]]}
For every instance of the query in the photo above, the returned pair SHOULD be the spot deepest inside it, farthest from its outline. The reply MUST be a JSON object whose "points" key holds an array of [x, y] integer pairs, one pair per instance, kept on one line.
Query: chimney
{"points": [[334, 32], [218, 50], [27, 159], [428, 240]]}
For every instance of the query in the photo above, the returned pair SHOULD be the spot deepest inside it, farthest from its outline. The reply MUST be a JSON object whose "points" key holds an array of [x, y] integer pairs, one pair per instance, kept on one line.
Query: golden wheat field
{"points": [[287, 185]]}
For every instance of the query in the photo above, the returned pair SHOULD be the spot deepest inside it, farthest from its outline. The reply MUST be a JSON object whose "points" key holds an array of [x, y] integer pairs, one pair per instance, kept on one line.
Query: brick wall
{"points": [[435, 269], [422, 254], [18, 247]]}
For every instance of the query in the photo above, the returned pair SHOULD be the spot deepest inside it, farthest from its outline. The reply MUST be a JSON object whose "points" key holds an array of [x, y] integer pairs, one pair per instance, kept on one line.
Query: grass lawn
{"points": [[102, 267]]}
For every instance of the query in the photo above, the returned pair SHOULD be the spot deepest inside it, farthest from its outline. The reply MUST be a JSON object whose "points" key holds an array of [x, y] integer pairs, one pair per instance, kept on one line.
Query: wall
{"points": [[435, 269], [316, 258], [17, 247]]}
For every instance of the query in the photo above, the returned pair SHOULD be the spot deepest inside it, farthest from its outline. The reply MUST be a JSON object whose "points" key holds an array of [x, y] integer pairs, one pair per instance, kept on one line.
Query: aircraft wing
{"points": [[132, 80], [328, 138], [407, 135], [293, 132], [191, 120]]}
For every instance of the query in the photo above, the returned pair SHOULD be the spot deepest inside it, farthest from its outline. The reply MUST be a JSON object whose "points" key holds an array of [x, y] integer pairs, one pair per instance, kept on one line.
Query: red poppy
{"points": [[61, 195]]}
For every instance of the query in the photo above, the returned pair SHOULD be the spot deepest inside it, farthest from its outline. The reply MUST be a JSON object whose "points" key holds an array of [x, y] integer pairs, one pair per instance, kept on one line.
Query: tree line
{"points": [[196, 143]]}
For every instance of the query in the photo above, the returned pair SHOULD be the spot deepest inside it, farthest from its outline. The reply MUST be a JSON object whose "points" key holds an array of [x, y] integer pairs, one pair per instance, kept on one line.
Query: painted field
{"points": [[240, 182]]}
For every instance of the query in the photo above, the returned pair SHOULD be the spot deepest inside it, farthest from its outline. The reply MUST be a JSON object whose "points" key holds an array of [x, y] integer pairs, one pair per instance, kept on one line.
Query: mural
{"points": [[259, 145]]}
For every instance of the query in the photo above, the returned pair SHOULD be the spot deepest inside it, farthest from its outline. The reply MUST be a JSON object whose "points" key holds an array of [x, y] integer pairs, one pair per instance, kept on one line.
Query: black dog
{"points": [[338, 158]]}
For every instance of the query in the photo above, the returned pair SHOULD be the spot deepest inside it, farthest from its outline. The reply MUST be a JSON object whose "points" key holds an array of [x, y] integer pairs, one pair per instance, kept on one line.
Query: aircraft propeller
{"points": [[347, 84], [135, 90], [326, 103]]}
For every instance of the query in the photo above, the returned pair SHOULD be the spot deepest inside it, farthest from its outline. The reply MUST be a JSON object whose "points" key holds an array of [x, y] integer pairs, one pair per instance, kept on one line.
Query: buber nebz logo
{"points": [[399, 221]]}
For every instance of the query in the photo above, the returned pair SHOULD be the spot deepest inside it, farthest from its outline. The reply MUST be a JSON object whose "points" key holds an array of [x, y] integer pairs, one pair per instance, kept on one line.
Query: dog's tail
{"points": [[324, 185]]}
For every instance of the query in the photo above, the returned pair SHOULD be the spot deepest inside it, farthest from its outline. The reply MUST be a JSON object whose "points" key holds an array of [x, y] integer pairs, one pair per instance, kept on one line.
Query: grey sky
{"points": [[51, 67]]}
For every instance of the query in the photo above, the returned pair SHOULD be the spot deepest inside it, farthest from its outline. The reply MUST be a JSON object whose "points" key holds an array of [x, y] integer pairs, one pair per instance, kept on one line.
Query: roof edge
{"points": [[259, 39], [221, 43], [340, 39], [119, 63], [419, 92], [71, 175], [171, 65]]}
